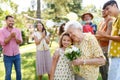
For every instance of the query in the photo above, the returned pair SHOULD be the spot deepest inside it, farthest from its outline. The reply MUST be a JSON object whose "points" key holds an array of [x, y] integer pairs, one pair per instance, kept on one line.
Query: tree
{"points": [[38, 9], [57, 10]]}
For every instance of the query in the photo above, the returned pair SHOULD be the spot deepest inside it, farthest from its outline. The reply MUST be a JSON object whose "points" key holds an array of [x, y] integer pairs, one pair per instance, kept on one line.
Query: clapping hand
{"points": [[43, 34], [13, 35]]}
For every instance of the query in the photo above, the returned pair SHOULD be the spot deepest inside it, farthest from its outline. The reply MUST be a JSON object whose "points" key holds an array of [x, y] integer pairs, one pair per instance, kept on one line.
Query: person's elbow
{"points": [[19, 41]]}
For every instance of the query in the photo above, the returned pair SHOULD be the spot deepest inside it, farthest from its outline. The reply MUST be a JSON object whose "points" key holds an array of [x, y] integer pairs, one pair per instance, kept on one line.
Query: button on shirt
{"points": [[12, 48]]}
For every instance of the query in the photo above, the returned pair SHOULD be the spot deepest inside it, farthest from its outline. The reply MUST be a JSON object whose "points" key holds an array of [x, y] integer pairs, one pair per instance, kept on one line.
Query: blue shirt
{"points": [[94, 26]]}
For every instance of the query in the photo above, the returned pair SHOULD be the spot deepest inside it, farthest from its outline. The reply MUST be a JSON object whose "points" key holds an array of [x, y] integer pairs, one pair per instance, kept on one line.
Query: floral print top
{"points": [[63, 70], [89, 49]]}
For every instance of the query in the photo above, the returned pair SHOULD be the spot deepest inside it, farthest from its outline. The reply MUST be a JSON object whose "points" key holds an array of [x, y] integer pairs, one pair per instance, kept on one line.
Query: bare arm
{"points": [[114, 38], [18, 38], [92, 61], [54, 63], [109, 37], [96, 53], [108, 32], [18, 41], [37, 41], [47, 39], [7, 40]]}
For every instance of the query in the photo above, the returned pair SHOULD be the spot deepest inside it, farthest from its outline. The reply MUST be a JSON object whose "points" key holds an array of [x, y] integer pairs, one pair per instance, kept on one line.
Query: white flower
{"points": [[68, 50], [74, 48]]}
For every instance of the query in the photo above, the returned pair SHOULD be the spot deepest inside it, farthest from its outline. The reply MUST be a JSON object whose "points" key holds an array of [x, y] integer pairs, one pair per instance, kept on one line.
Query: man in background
{"points": [[11, 38], [105, 26], [114, 49], [88, 26]]}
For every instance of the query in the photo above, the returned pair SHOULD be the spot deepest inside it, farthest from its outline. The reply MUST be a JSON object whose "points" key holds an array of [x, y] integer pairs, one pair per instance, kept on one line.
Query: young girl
{"points": [[61, 69], [43, 58]]}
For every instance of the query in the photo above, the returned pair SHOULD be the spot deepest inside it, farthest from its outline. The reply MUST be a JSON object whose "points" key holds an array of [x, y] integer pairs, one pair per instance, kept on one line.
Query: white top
{"points": [[43, 45]]}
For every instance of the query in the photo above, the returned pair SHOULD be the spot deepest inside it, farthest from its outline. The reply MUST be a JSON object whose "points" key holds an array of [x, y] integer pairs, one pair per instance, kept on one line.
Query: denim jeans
{"points": [[114, 69], [8, 62]]}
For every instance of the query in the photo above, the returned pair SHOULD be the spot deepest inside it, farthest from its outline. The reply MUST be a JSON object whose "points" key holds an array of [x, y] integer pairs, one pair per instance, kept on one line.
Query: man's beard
{"points": [[10, 25]]}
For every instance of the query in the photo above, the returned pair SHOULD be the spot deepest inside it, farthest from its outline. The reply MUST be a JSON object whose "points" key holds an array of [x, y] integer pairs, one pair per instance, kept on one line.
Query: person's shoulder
{"points": [[3, 29], [118, 18], [57, 51], [17, 29], [89, 36], [93, 24]]}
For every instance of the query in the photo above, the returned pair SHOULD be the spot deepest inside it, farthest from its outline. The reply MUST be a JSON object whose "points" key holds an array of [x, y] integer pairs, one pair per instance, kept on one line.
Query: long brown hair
{"points": [[43, 29], [61, 37], [61, 29]]}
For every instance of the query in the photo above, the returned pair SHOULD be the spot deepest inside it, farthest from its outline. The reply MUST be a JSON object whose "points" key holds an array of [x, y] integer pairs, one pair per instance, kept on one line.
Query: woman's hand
{"points": [[43, 34], [77, 62]]}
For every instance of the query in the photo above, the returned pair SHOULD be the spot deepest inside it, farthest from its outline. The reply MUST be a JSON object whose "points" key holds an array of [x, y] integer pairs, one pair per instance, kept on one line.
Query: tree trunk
{"points": [[38, 9]]}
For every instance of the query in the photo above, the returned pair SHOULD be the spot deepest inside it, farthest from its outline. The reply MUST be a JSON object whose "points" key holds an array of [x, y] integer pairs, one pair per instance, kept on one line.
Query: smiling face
{"points": [[66, 41], [111, 9], [10, 22], [39, 27], [87, 17], [105, 13], [74, 34]]}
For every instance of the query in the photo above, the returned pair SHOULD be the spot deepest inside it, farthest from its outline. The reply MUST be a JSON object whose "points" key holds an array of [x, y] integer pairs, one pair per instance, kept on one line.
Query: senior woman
{"points": [[91, 54]]}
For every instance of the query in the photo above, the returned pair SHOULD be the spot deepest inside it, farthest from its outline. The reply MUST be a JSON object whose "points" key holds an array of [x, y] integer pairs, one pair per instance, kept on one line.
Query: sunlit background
{"points": [[53, 14]]}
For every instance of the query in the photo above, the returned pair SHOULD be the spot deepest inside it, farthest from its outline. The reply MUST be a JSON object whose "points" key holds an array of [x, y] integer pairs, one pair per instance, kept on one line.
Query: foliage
{"points": [[28, 64], [73, 53], [57, 10]]}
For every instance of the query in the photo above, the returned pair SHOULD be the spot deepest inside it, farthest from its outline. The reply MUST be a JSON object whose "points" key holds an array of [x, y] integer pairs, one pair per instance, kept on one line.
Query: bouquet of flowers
{"points": [[73, 53]]}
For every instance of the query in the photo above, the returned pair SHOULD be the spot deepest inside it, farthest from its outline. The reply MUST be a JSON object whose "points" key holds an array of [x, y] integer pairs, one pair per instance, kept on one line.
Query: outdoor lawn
{"points": [[28, 63]]}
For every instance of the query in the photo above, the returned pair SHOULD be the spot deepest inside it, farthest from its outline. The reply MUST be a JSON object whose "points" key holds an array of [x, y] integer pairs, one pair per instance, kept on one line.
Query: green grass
{"points": [[28, 63]]}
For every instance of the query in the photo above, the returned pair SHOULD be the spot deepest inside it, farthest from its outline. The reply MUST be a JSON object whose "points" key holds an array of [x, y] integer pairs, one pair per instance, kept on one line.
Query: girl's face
{"points": [[39, 27], [66, 41]]}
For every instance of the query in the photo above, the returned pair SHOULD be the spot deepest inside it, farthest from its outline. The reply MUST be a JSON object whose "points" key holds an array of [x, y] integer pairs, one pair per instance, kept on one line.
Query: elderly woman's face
{"points": [[74, 34]]}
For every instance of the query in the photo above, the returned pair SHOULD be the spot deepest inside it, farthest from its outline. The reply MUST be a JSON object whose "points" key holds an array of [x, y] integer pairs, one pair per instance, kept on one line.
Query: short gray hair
{"points": [[75, 24]]}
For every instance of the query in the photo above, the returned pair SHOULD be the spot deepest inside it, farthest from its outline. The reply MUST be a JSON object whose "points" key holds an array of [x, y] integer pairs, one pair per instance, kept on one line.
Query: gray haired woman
{"points": [[91, 54]]}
